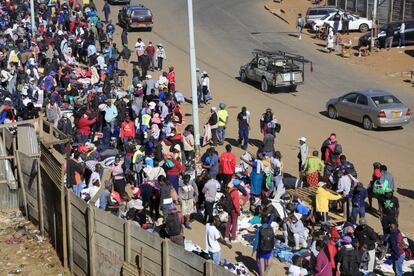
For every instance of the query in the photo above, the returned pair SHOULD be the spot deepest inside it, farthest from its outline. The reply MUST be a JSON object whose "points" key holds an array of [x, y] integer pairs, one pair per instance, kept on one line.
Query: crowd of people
{"points": [[138, 133]]}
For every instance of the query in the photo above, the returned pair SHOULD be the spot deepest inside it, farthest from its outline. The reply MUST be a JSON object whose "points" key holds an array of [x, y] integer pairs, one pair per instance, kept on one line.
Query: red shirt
{"points": [[177, 169], [227, 163], [84, 125], [234, 193], [127, 130], [150, 51]]}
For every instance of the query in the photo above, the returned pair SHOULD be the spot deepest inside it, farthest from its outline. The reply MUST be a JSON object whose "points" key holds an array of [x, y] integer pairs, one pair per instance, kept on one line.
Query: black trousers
{"points": [[208, 210]]}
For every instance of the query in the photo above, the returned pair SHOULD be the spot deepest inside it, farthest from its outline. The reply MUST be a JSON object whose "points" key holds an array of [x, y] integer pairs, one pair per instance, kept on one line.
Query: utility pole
{"points": [[32, 15], [193, 76], [374, 25]]}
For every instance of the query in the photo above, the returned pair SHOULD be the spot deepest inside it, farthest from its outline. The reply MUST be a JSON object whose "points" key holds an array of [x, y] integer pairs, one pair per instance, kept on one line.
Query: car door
{"points": [[353, 23], [409, 32], [346, 105], [361, 108], [250, 71], [329, 20]]}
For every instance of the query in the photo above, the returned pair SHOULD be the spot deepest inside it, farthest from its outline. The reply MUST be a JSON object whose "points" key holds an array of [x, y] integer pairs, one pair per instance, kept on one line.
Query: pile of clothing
{"points": [[237, 268]]}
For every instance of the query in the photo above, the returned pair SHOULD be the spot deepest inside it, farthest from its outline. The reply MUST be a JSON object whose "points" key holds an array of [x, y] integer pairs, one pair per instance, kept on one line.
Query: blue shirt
{"points": [[358, 197], [214, 165], [103, 199]]}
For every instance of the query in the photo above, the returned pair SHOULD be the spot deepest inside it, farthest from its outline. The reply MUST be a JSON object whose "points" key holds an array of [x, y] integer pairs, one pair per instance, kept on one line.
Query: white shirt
{"points": [[297, 271], [212, 235], [402, 28], [140, 46], [206, 82], [345, 184]]}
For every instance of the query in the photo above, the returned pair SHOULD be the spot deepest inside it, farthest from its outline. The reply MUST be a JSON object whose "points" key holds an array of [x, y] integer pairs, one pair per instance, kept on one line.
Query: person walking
{"points": [[314, 168], [263, 244], [330, 40], [139, 49], [213, 239], [243, 119], [107, 11], [160, 53], [389, 36], [397, 248], [300, 23], [303, 153], [151, 53], [213, 121], [401, 36], [336, 19], [223, 115], [126, 55], [345, 22], [124, 37], [233, 211], [188, 194], [209, 191], [205, 87], [227, 166]]}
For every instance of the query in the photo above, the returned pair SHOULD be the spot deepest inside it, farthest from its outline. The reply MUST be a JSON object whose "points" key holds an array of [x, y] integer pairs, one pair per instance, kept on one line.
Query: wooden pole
{"points": [[127, 240], [40, 198], [390, 11], [70, 229], [91, 238], [141, 262], [63, 211], [403, 10], [208, 270], [20, 175], [165, 258]]}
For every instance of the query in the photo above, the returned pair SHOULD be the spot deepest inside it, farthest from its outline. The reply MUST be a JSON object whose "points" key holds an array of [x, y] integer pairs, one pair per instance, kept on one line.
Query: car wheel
{"points": [[149, 29], [332, 113], [243, 77], [264, 85], [367, 123], [363, 28]]}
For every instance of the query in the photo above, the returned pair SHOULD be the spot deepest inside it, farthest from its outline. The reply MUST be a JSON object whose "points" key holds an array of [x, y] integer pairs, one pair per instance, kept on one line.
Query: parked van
{"points": [[314, 13]]}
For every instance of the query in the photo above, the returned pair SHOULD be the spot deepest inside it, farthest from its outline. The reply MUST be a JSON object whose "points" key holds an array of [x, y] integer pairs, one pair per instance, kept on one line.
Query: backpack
{"points": [[379, 189], [349, 265], [173, 225], [267, 239], [228, 202]]}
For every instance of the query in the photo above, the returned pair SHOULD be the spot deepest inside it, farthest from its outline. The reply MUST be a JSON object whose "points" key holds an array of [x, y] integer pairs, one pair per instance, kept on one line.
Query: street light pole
{"points": [[193, 75], [32, 15], [374, 25]]}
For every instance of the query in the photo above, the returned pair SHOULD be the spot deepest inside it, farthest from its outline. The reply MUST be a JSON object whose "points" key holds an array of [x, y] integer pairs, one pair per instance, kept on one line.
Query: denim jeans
{"points": [[77, 189], [401, 40], [357, 211], [152, 64], [216, 256], [388, 42], [244, 137], [221, 134], [398, 265]]}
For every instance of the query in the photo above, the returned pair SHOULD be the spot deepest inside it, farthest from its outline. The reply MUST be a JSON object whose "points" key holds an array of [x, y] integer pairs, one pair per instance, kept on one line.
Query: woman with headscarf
{"points": [[256, 176]]}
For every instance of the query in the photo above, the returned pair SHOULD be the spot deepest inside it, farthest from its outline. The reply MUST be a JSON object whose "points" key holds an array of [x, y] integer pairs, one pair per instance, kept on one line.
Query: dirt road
{"points": [[226, 33]]}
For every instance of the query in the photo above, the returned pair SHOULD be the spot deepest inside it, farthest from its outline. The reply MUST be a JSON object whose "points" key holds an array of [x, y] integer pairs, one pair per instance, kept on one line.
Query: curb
{"points": [[276, 13]]}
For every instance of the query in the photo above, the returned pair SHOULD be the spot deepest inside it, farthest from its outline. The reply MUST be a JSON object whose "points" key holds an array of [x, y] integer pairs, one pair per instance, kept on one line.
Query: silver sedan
{"points": [[371, 108]]}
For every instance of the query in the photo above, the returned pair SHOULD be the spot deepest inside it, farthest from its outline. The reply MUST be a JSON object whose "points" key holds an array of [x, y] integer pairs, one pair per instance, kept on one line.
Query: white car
{"points": [[356, 23]]}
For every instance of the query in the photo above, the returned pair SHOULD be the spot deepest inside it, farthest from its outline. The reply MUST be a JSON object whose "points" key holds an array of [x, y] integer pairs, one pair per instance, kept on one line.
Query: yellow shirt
{"points": [[222, 117], [322, 199]]}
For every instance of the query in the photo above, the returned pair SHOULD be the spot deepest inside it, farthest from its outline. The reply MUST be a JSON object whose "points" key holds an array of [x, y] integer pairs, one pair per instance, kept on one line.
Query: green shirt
{"points": [[222, 117], [314, 164]]}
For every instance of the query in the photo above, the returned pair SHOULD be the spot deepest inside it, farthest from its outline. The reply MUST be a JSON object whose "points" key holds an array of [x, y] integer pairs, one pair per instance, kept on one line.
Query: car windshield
{"points": [[142, 12], [326, 16], [386, 99]]}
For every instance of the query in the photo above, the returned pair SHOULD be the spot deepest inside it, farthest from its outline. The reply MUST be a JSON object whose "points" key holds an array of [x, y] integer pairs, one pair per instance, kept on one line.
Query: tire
{"points": [[363, 28], [332, 113], [264, 86], [367, 123], [149, 29], [292, 88], [243, 77]]}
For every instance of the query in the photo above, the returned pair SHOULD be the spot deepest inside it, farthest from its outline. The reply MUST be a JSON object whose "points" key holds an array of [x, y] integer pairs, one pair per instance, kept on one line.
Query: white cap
{"points": [[177, 147], [321, 184], [303, 139], [139, 85]]}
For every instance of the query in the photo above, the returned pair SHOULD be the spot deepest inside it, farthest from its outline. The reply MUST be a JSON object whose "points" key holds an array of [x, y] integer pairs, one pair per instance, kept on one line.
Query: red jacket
{"points": [[127, 130], [234, 193], [171, 77], [332, 251], [227, 163], [150, 51], [177, 169], [84, 125]]}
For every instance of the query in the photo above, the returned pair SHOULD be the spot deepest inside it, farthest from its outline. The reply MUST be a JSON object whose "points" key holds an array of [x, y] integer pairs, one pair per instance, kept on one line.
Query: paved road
{"points": [[227, 32]]}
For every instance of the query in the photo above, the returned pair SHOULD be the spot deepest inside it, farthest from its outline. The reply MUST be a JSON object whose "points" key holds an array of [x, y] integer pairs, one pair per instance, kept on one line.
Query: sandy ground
{"points": [[396, 64], [23, 251]]}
